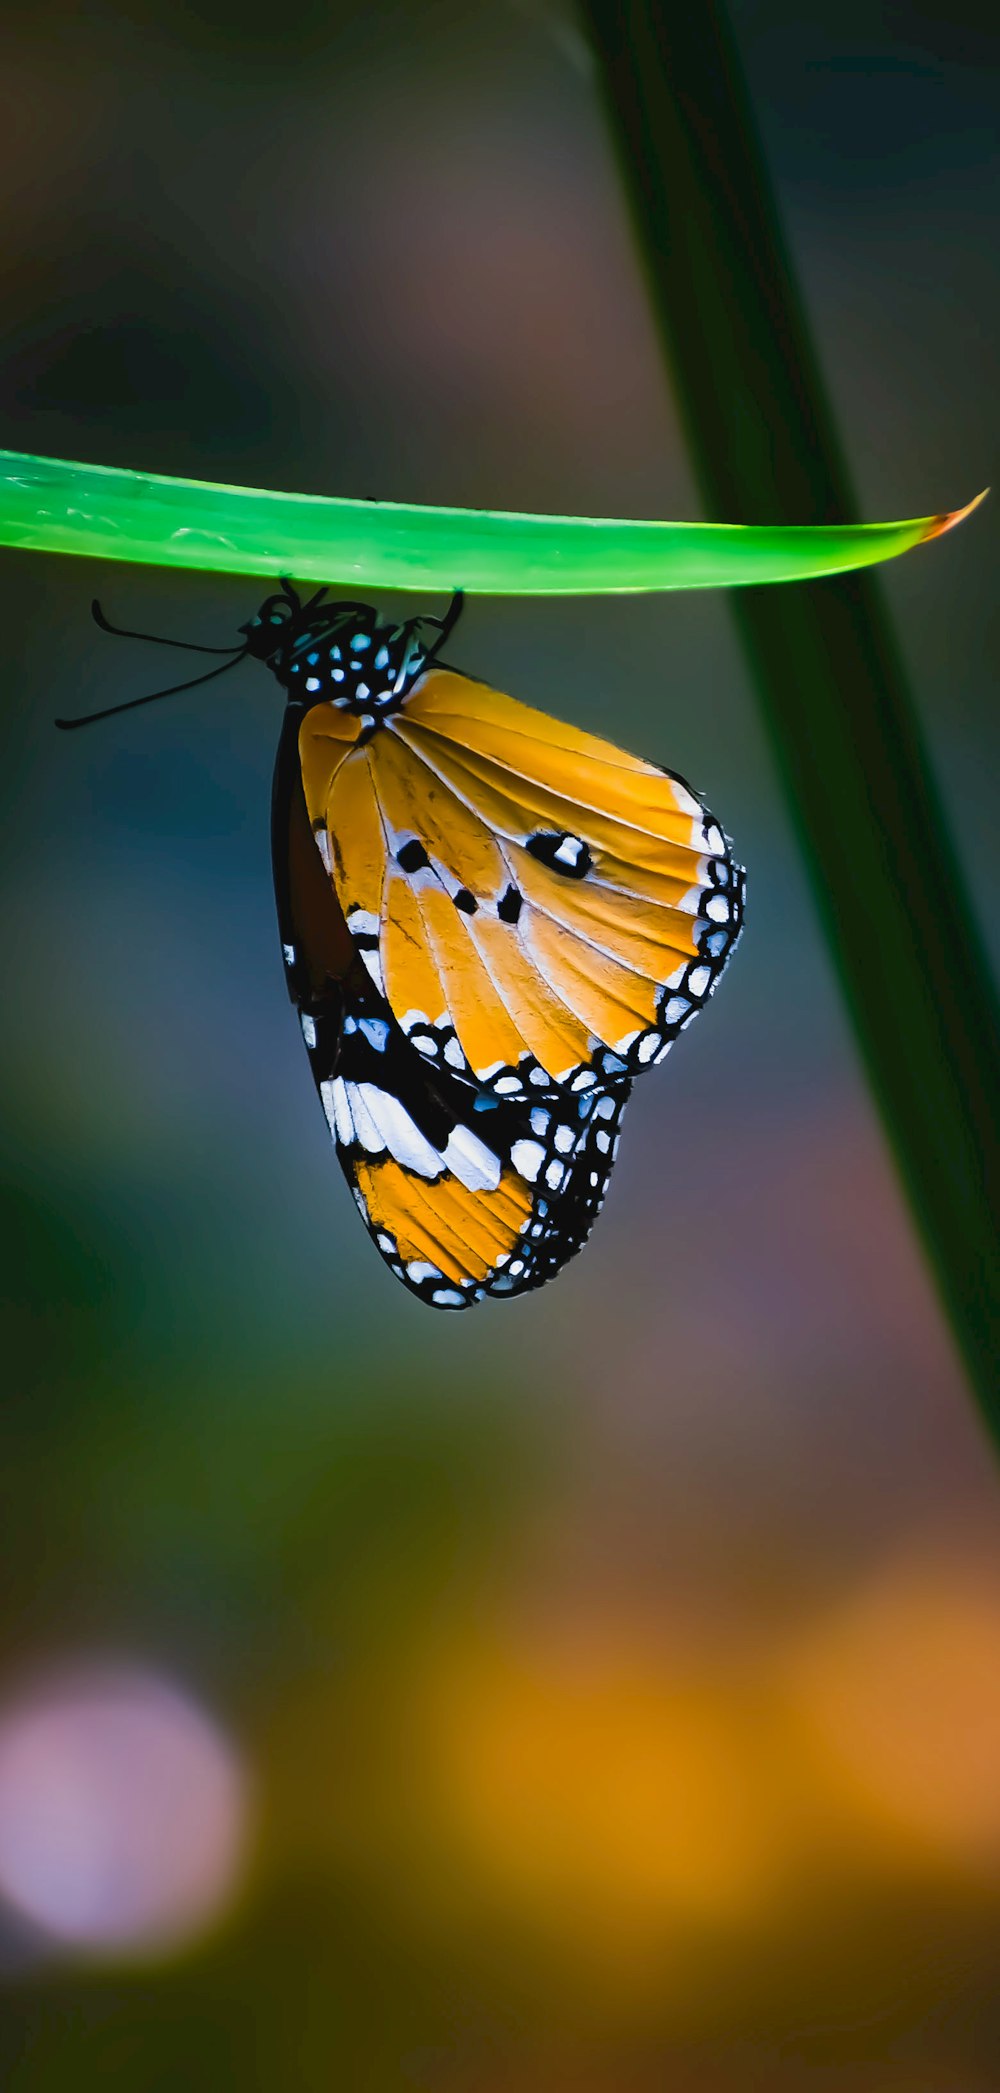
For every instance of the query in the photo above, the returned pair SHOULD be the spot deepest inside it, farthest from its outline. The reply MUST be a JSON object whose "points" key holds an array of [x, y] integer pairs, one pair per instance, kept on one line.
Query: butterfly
{"points": [[492, 923]]}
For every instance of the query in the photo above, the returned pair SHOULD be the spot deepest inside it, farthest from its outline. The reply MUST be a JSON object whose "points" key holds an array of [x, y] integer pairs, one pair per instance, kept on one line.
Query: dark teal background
{"points": [[724, 1470]]}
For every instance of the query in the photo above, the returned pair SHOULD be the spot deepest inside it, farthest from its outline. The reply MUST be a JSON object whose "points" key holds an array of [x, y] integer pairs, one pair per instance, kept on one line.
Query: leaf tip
{"points": [[937, 525]]}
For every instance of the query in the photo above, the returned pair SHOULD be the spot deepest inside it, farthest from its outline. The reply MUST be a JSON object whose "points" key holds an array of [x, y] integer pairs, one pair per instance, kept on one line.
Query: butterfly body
{"points": [[491, 924]]}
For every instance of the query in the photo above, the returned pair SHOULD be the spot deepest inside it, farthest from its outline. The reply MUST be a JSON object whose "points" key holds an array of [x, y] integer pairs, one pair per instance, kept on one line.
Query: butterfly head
{"points": [[344, 653]]}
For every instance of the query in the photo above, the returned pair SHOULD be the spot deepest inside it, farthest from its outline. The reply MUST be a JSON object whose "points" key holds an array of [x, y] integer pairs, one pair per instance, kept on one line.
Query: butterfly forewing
{"points": [[549, 904]]}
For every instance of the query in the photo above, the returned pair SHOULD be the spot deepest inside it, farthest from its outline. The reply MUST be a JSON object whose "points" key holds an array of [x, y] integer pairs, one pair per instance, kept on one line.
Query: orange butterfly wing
{"points": [[464, 1194], [535, 903]]}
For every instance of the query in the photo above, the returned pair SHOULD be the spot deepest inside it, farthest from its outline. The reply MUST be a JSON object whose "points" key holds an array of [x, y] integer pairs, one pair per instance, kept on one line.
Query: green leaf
{"points": [[51, 505], [832, 686]]}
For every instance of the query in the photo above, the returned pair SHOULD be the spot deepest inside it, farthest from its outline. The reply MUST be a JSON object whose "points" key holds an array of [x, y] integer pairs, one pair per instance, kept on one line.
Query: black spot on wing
{"points": [[509, 905], [563, 852]]}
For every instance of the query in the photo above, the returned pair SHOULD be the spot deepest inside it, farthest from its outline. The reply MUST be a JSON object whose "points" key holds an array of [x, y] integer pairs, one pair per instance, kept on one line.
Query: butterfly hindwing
{"points": [[461, 1202]]}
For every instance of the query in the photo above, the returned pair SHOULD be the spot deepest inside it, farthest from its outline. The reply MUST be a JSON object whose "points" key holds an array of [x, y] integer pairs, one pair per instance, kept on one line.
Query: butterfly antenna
{"points": [[132, 704], [120, 632]]}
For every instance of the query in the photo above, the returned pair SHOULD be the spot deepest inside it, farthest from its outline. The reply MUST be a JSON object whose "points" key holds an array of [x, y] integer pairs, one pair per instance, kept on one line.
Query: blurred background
{"points": [[598, 1693]]}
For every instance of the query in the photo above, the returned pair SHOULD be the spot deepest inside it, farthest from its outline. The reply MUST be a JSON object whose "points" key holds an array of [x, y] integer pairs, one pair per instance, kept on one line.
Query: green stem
{"points": [[53, 505], [828, 676]]}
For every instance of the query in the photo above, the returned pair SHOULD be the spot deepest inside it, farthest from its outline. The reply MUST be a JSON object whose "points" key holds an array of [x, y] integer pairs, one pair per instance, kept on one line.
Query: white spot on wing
{"points": [[360, 921], [527, 1158], [396, 1131], [365, 1126], [475, 1165], [376, 1031], [338, 1112], [374, 965]]}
